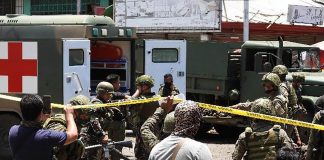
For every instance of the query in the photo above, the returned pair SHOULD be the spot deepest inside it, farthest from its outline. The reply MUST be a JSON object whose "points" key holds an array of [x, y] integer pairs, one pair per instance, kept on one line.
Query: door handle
{"points": [[78, 82]]}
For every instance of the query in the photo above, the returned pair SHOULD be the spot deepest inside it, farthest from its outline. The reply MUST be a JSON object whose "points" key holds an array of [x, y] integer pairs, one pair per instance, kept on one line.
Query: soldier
{"points": [[315, 150], [298, 79], [105, 116], [154, 130], [168, 89], [285, 88], [263, 139], [140, 113], [117, 126], [271, 84], [57, 122], [114, 79]]}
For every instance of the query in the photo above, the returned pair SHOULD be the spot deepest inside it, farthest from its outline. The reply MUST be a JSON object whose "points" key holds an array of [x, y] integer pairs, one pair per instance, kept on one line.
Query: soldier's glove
{"points": [[117, 114]]}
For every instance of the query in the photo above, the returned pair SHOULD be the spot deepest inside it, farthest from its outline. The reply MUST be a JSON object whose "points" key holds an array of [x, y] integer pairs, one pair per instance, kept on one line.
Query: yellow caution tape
{"points": [[207, 106]]}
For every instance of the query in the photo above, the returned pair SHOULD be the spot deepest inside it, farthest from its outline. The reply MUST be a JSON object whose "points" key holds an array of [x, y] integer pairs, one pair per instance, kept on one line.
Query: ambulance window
{"points": [[164, 55], [76, 57]]}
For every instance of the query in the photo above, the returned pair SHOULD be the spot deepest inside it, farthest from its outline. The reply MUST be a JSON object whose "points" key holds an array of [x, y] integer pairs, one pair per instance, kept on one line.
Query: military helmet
{"points": [[79, 100], [169, 123], [273, 78], [298, 77], [280, 70], [145, 79], [263, 106], [104, 87]]}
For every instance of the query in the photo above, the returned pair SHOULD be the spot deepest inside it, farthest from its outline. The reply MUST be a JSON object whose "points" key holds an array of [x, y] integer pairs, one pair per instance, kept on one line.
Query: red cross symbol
{"points": [[15, 67]]}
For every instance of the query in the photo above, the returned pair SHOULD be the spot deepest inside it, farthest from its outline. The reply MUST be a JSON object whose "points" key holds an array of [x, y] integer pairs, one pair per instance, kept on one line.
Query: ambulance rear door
{"points": [[166, 56], [76, 70]]}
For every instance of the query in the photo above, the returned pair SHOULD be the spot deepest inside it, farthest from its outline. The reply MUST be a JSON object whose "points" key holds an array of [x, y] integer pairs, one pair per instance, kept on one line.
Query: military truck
{"points": [[232, 72]]}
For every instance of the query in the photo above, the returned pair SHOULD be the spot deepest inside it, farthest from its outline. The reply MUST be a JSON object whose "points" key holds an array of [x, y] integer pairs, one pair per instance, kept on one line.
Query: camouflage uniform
{"points": [[315, 150], [99, 117], [263, 141], [279, 102], [154, 130], [72, 151], [165, 91], [140, 113]]}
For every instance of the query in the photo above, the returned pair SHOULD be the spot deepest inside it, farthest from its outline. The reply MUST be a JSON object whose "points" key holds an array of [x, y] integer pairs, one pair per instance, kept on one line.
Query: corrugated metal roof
{"points": [[262, 11]]}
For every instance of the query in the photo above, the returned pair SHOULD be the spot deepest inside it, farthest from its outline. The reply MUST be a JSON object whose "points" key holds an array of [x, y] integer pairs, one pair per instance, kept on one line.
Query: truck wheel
{"points": [[7, 120]]}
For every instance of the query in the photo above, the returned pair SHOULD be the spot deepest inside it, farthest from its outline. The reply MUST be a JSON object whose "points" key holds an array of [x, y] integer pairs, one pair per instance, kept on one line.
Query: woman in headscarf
{"points": [[180, 144]]}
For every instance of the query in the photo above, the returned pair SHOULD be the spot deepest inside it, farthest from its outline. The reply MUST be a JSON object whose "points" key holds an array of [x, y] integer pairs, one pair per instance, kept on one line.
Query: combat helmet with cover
{"points": [[273, 78], [262, 144], [144, 80], [169, 123], [104, 87], [280, 70], [263, 106], [298, 77]]}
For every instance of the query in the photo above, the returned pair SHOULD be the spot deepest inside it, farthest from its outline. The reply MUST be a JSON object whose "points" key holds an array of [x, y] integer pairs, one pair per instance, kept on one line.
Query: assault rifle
{"points": [[111, 147]]}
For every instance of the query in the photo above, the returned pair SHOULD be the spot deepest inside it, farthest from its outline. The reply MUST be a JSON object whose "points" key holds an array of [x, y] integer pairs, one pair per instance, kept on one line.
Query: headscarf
{"points": [[187, 119]]}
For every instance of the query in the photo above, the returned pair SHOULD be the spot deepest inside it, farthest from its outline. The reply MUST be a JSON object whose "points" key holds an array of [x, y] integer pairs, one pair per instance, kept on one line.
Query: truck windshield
{"points": [[305, 60]]}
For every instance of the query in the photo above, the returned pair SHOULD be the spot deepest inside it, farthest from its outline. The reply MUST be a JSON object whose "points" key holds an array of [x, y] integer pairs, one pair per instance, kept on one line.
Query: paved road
{"points": [[221, 147]]}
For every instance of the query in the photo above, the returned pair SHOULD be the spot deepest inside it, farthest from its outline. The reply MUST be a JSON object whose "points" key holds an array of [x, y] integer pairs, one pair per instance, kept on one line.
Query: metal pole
{"points": [[246, 21], [78, 7]]}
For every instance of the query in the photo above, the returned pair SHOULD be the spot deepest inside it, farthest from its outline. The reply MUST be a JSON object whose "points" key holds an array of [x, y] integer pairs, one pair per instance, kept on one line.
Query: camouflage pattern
{"points": [[298, 77], [169, 123], [82, 115], [261, 141], [74, 150], [280, 70], [138, 115], [315, 150], [273, 78], [263, 106], [145, 79], [151, 130], [104, 87], [279, 103], [261, 144], [168, 91], [288, 91]]}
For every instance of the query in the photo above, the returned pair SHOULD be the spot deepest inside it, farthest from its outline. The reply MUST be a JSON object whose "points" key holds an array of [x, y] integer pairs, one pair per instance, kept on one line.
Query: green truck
{"points": [[229, 73]]}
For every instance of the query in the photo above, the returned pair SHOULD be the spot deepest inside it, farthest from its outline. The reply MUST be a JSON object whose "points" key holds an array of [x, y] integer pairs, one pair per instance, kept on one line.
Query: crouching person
{"points": [[29, 141], [263, 139]]}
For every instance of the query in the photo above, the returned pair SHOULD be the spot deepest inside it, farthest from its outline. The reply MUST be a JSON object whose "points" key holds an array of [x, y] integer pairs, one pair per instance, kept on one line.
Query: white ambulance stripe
{"points": [[3, 50], [29, 50], [29, 84], [3, 84]]}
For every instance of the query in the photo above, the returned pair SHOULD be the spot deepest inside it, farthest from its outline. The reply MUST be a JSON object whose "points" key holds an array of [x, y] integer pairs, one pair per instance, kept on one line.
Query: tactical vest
{"points": [[74, 150], [263, 145]]}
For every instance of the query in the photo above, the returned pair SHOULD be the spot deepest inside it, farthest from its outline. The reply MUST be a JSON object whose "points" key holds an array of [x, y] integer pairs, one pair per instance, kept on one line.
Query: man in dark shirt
{"points": [[28, 141], [114, 79]]}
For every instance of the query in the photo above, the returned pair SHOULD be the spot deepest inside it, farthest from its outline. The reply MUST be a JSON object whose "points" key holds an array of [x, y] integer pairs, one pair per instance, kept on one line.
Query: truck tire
{"points": [[7, 120]]}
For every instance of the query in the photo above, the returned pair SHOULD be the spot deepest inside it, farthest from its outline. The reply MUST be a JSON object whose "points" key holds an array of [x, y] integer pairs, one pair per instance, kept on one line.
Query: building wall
{"points": [[51, 7]]}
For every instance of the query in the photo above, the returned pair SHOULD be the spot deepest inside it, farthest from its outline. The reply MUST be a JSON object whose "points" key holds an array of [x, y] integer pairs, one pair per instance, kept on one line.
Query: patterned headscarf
{"points": [[187, 119]]}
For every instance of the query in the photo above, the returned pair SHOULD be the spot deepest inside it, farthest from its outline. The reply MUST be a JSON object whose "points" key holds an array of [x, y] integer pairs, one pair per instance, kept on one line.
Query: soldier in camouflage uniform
{"points": [[117, 126], [315, 150], [140, 113], [285, 88], [168, 89], [157, 127], [104, 115], [271, 84], [263, 139]]}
